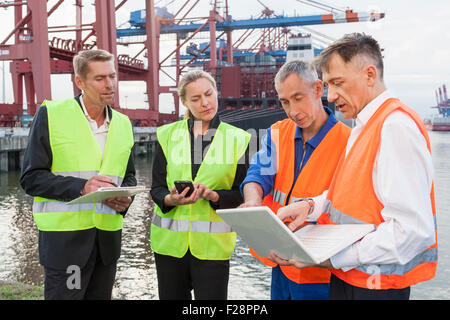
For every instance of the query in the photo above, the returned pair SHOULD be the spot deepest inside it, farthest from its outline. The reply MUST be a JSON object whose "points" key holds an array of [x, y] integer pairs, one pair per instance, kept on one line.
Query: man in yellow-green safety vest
{"points": [[76, 146]]}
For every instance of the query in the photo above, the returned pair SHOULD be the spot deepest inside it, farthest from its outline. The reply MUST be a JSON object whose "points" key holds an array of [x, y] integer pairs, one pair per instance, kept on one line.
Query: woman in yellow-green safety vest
{"points": [[192, 244]]}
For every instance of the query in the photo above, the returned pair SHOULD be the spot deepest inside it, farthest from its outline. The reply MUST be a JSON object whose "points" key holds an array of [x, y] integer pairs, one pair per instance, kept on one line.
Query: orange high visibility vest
{"points": [[352, 199], [313, 179]]}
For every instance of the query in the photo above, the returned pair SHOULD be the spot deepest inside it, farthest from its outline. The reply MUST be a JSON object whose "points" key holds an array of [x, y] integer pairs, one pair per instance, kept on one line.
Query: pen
{"points": [[114, 184]]}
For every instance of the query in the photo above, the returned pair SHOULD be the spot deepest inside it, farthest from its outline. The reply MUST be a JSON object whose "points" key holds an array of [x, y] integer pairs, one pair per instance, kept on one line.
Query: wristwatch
{"points": [[311, 205], [310, 202]]}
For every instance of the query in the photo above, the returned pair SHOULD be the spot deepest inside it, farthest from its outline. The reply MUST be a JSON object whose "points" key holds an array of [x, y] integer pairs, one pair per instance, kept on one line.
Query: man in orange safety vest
{"points": [[385, 178], [297, 160]]}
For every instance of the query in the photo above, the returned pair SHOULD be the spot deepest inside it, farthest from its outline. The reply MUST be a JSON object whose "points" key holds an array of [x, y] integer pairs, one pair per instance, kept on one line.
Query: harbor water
{"points": [[136, 273]]}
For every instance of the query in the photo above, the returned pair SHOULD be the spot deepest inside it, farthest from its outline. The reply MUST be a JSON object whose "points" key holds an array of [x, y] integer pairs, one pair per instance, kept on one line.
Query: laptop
{"points": [[263, 231]]}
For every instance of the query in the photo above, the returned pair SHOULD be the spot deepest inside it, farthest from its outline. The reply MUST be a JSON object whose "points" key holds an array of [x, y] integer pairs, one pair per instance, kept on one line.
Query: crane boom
{"points": [[280, 21]]}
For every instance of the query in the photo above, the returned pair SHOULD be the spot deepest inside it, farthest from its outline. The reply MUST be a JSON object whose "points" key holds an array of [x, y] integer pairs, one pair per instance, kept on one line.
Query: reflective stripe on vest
{"points": [[338, 217], [430, 255], [60, 206], [278, 196], [195, 226], [426, 256]]}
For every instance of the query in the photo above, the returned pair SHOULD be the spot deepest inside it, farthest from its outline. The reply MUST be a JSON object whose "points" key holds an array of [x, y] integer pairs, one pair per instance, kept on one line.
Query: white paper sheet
{"points": [[109, 192]]}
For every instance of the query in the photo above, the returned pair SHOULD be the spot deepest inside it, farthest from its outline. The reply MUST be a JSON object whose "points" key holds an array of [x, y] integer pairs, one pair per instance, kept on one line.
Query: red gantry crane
{"points": [[34, 53]]}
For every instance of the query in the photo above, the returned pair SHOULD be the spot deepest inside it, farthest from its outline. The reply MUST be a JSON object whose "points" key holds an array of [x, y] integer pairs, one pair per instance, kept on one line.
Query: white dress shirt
{"points": [[100, 133], [402, 178]]}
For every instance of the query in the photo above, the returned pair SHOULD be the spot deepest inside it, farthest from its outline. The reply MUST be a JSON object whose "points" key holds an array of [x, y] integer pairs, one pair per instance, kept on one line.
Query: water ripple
{"points": [[136, 273]]}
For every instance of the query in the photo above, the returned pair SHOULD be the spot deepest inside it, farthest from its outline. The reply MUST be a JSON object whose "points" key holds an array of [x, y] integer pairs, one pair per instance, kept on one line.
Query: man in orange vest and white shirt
{"points": [[385, 178], [297, 160]]}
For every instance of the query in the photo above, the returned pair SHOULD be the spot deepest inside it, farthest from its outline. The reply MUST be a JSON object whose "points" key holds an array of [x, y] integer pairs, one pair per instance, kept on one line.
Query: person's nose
{"points": [[109, 83], [331, 94], [293, 112], [205, 102]]}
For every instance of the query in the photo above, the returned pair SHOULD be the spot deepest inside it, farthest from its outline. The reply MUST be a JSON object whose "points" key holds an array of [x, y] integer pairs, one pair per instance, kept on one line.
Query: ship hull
{"points": [[438, 124], [439, 127]]}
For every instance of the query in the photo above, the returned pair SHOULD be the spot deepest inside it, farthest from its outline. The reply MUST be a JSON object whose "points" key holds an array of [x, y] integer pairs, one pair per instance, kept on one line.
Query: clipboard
{"points": [[263, 231], [109, 192]]}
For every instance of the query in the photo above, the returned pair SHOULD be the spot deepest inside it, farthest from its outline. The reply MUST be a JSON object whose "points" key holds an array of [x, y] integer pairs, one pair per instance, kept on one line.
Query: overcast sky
{"points": [[415, 35]]}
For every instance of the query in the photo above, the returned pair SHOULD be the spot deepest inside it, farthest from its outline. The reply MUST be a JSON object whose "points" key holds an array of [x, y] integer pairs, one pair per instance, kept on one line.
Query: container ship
{"points": [[248, 98], [244, 76], [247, 95], [244, 62]]}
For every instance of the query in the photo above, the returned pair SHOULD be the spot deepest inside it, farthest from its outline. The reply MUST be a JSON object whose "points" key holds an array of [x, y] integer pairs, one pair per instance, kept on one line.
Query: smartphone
{"points": [[183, 184]]}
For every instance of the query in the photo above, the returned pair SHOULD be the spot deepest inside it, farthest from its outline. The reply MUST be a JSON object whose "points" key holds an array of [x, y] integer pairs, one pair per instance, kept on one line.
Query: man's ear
{"points": [[318, 89], [79, 82], [371, 74]]}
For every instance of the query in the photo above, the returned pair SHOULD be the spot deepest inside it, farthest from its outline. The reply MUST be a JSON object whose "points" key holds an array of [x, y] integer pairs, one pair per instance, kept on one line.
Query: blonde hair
{"points": [[189, 77], [82, 59]]}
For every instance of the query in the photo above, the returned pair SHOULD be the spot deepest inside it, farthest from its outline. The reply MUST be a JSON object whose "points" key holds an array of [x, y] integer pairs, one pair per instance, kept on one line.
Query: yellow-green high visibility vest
{"points": [[76, 153], [197, 226]]}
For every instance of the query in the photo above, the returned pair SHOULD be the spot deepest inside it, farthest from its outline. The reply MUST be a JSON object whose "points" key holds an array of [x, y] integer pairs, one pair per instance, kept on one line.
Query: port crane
{"points": [[443, 103], [34, 52]]}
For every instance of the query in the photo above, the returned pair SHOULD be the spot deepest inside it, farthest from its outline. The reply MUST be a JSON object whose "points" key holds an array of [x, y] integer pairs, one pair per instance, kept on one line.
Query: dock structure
{"points": [[144, 141], [13, 142]]}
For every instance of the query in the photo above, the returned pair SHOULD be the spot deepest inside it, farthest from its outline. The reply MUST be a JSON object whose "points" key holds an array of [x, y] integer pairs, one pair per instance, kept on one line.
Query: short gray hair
{"points": [[299, 67]]}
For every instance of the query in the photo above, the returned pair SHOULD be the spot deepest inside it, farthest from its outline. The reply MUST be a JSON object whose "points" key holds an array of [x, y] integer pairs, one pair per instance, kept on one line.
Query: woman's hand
{"points": [[206, 193], [177, 199]]}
